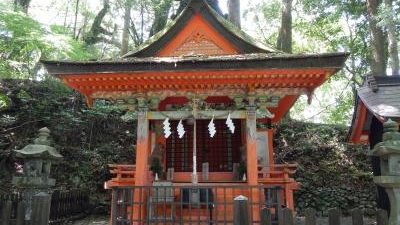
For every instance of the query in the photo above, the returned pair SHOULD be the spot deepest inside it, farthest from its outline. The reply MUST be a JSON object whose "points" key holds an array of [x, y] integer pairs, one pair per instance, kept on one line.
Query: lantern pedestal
{"points": [[389, 152]]}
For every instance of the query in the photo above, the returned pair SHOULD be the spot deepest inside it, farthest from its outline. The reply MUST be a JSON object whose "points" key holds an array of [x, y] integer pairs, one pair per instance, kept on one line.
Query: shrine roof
{"points": [[237, 37], [377, 97], [222, 62], [201, 53], [382, 96]]}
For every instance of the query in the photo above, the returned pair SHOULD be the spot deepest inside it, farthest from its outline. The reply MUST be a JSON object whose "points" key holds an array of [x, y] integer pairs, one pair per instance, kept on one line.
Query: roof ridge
{"points": [[371, 82]]}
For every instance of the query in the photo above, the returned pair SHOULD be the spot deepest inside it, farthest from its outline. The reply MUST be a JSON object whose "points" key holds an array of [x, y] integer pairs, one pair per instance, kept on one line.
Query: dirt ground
{"points": [[103, 220]]}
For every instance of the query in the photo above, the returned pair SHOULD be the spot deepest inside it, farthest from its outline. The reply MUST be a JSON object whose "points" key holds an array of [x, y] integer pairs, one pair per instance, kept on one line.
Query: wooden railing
{"points": [[276, 172], [279, 174], [124, 175], [192, 204], [123, 172]]}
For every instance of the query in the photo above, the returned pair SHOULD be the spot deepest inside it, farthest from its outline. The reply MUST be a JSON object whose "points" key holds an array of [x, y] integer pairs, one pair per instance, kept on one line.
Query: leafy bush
{"points": [[88, 138], [331, 172]]}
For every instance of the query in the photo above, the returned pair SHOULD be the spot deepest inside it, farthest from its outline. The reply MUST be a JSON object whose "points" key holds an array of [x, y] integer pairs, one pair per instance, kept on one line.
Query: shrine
{"points": [[206, 97], [376, 102]]}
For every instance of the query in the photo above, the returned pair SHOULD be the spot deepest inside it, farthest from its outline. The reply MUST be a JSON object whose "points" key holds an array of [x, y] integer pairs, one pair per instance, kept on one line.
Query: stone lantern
{"points": [[389, 152], [37, 159]]}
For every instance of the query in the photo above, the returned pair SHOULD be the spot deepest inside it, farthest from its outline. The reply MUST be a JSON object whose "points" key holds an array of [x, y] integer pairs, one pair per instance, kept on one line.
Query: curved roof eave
{"points": [[333, 61]]}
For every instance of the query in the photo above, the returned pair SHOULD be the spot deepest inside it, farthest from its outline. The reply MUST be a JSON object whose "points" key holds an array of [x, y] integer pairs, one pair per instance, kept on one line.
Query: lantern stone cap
{"points": [[386, 148], [387, 181], [40, 148], [391, 140]]}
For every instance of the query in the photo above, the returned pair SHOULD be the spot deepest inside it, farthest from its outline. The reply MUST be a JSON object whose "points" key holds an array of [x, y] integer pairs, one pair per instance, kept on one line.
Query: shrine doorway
{"points": [[221, 152]]}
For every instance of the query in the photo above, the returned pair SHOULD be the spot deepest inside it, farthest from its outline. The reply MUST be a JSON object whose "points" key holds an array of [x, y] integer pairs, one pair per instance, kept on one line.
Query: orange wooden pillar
{"points": [[251, 151], [251, 147], [142, 143], [270, 147], [142, 167]]}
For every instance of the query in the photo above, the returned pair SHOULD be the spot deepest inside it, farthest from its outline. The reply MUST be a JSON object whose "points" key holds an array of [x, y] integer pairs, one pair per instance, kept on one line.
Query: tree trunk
{"points": [[76, 18], [391, 29], [94, 35], [161, 16], [284, 42], [234, 12], [22, 5], [378, 62], [125, 31]]}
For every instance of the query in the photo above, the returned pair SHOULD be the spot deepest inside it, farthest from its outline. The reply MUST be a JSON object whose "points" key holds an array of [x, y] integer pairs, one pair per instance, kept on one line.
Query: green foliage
{"points": [[242, 169], [331, 173], [68, 47], [88, 138], [5, 102], [21, 44], [334, 102], [268, 17], [322, 26], [155, 166], [23, 41], [388, 15]]}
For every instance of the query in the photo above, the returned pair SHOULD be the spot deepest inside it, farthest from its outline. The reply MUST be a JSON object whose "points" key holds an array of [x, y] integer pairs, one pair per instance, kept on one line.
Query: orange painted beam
{"points": [[275, 77], [284, 105]]}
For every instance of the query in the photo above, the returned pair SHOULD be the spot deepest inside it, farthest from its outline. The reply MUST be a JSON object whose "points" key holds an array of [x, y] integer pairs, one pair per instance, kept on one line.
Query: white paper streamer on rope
{"points": [[181, 129], [167, 128], [211, 128], [230, 124], [194, 164]]}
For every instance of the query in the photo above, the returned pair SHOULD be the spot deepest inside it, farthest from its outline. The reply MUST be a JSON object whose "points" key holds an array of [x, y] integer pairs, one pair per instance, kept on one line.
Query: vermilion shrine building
{"points": [[201, 68]]}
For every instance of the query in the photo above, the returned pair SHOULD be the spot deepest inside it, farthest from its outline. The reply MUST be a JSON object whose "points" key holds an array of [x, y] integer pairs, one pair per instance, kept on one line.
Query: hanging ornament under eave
{"points": [[230, 124], [211, 128], [167, 128], [180, 129]]}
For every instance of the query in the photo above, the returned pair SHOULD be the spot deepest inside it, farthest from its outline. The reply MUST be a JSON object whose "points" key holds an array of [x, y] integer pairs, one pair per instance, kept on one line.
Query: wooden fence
{"points": [[61, 207], [14, 212], [65, 205], [334, 217]]}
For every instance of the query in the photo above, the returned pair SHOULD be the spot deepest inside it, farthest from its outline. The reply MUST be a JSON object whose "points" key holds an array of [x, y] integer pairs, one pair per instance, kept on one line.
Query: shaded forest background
{"points": [[332, 173]]}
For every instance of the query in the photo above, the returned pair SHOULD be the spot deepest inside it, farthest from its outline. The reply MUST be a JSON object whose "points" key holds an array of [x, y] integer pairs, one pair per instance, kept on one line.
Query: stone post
{"points": [[35, 180], [241, 211], [389, 152]]}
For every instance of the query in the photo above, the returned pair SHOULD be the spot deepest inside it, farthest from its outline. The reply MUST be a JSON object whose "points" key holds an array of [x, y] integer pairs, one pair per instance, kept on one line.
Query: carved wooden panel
{"points": [[198, 44]]}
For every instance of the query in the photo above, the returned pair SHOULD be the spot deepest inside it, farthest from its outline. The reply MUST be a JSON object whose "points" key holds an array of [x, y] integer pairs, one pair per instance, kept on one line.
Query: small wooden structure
{"points": [[377, 101], [198, 75]]}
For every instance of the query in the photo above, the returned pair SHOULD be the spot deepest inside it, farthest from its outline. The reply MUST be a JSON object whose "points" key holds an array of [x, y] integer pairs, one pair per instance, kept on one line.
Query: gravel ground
{"points": [[103, 220], [344, 221], [92, 220]]}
